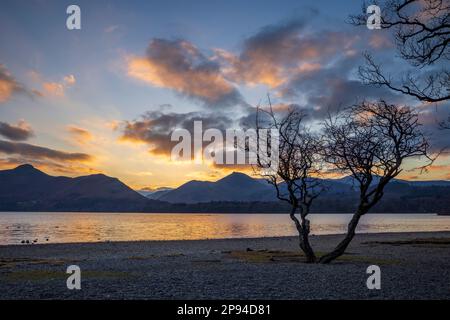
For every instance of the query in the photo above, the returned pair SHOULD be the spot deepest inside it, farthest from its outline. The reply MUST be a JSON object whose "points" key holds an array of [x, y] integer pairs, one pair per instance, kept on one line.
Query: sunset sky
{"points": [[105, 98]]}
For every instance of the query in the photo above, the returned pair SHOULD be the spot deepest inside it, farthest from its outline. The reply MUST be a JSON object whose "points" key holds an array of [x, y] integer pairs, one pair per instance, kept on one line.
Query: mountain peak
{"points": [[26, 168], [237, 178], [236, 175]]}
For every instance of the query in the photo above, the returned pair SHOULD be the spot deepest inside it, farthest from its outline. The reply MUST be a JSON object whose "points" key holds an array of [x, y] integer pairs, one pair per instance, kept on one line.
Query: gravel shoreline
{"points": [[413, 266]]}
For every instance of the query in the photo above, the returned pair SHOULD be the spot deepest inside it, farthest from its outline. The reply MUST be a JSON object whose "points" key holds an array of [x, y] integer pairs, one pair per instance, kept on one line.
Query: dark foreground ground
{"points": [[413, 266]]}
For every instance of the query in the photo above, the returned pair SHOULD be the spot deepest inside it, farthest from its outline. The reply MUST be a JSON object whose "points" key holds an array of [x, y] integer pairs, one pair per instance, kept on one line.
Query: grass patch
{"points": [[142, 257], [12, 262], [274, 256], [418, 242], [35, 275], [207, 261], [368, 260], [153, 256], [173, 255], [267, 256]]}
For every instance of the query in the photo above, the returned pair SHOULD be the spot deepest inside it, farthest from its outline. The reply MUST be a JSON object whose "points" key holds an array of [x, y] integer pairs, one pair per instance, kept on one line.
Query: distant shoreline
{"points": [[180, 241]]}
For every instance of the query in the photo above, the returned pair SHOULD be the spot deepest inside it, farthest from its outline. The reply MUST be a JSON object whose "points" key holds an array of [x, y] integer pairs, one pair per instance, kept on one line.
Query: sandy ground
{"points": [[413, 266]]}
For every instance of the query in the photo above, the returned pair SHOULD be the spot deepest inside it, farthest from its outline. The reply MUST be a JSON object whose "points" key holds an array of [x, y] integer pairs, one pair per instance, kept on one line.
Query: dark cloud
{"points": [[29, 150], [180, 66], [430, 116], [155, 128], [279, 52], [316, 69], [335, 87], [20, 132]]}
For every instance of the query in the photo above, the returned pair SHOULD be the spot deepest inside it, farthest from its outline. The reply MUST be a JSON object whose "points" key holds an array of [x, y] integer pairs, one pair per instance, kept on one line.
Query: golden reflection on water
{"points": [[94, 227]]}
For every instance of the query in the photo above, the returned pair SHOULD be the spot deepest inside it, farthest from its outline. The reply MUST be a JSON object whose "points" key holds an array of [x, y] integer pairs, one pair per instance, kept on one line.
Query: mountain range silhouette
{"points": [[26, 188]]}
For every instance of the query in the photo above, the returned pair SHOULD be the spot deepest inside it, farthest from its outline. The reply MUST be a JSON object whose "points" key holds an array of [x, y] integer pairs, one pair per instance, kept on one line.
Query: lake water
{"points": [[93, 227]]}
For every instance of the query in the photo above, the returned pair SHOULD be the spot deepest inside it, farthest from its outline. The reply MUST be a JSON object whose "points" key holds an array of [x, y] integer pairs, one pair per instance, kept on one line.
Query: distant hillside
{"points": [[234, 187], [241, 193], [154, 194], [26, 188]]}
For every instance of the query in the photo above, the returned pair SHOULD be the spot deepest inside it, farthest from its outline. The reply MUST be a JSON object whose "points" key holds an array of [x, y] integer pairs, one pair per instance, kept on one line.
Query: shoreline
{"points": [[414, 265], [312, 236]]}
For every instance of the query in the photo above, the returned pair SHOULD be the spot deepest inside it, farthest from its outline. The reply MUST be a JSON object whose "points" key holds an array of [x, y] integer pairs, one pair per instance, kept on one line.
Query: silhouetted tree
{"points": [[422, 35], [295, 178], [370, 141]]}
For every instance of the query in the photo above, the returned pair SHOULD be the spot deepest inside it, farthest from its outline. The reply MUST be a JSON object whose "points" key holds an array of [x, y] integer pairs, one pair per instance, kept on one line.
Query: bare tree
{"points": [[422, 35], [428, 87], [370, 141], [295, 179]]}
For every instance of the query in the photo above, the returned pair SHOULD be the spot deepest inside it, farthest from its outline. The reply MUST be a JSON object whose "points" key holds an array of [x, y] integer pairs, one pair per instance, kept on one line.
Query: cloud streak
{"points": [[81, 135], [19, 132], [29, 150]]}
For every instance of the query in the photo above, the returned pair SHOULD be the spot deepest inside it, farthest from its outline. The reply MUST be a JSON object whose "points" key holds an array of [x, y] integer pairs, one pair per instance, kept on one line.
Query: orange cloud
{"points": [[279, 53], [442, 169], [53, 89], [179, 65], [69, 80], [433, 172], [48, 166], [6, 89], [8, 85], [81, 135], [229, 168], [197, 83]]}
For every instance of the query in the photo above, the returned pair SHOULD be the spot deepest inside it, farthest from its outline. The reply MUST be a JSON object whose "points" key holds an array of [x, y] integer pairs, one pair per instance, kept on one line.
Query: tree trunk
{"points": [[303, 235], [342, 246], [306, 246]]}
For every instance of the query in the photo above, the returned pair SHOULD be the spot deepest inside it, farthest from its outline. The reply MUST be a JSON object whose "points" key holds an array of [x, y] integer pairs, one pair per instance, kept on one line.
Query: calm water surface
{"points": [[92, 227]]}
